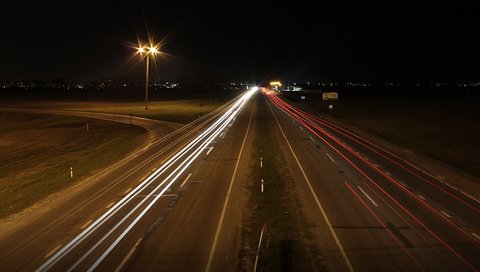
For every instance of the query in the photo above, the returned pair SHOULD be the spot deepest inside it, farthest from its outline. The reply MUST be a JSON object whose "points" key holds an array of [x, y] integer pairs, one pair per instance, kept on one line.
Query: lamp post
{"points": [[147, 51]]}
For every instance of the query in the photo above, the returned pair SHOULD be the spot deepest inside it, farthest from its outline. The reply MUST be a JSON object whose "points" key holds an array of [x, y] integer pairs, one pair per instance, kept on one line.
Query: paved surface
{"points": [[387, 213], [372, 209]]}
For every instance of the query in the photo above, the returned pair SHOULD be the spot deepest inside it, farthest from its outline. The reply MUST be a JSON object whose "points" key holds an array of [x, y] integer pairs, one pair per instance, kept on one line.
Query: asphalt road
{"points": [[177, 204], [386, 213], [95, 225]]}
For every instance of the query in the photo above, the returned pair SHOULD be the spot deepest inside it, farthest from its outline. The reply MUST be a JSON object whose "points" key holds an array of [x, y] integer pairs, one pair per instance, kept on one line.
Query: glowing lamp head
{"points": [[153, 50], [141, 50]]}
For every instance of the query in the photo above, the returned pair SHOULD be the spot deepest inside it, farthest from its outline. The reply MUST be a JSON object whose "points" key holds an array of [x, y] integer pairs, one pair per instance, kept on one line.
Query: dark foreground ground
{"points": [[440, 122]]}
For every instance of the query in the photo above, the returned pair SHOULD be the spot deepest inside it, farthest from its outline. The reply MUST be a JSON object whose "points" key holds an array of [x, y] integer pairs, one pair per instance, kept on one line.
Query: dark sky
{"points": [[238, 40]]}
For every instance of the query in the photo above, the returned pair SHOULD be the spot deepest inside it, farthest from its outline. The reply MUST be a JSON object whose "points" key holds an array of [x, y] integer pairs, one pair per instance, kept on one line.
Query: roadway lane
{"points": [[203, 231], [32, 243], [388, 214]]}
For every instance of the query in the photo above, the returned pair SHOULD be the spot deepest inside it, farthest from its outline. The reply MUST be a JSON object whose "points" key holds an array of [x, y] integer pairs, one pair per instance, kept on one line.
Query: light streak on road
{"points": [[314, 128], [380, 221], [175, 166], [312, 124], [391, 157]]}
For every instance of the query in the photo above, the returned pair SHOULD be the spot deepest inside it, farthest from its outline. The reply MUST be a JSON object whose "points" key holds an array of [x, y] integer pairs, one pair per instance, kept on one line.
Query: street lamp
{"points": [[147, 51]]}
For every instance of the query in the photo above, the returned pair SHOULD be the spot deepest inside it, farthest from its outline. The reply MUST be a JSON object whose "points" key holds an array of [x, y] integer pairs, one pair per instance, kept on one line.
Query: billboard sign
{"points": [[330, 96]]}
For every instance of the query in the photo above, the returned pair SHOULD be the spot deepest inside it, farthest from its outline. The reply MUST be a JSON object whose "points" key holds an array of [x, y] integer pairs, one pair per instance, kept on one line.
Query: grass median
{"points": [[37, 152], [288, 242]]}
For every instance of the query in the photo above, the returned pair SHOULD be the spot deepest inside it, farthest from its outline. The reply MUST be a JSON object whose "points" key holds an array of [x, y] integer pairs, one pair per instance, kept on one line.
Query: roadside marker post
{"points": [[71, 172]]}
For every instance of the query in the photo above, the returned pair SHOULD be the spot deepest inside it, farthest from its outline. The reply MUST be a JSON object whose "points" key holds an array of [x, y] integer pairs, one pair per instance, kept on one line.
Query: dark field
{"points": [[442, 123], [37, 152]]}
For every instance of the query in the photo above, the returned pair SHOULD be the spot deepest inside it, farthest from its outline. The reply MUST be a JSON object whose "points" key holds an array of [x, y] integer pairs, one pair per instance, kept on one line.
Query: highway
{"points": [[177, 203], [385, 213], [96, 226]]}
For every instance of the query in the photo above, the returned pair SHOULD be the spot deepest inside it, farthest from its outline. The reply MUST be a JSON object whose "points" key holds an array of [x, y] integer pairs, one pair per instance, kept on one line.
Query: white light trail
{"points": [[204, 139]]}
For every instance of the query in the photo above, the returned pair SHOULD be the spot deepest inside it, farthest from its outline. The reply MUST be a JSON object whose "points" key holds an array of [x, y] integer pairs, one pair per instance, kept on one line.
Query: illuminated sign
{"points": [[330, 96]]}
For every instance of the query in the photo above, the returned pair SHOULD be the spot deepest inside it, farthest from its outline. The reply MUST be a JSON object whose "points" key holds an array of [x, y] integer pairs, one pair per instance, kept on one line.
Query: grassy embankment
{"points": [[37, 152], [288, 243], [181, 111]]}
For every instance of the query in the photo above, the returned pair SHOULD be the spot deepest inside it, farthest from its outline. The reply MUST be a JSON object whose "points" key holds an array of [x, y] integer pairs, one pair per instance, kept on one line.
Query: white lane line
{"points": [[179, 153], [446, 214], [168, 195], [209, 150], [422, 197], [475, 235], [185, 181], [388, 174], [369, 198], [403, 184], [319, 205], [110, 205], [261, 162], [53, 251], [124, 261], [330, 157], [469, 196], [86, 224], [172, 177], [258, 250], [453, 187], [127, 191], [376, 165], [311, 139], [227, 198]]}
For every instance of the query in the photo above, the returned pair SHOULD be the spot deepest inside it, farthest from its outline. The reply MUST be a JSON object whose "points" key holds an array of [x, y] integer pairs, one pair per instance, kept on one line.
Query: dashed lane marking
{"points": [[330, 157], [86, 224], [52, 251], [110, 205], [369, 198], [446, 214], [185, 181]]}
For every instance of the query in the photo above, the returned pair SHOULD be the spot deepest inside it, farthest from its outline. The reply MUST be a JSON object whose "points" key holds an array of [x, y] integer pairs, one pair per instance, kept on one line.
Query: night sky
{"points": [[298, 41]]}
